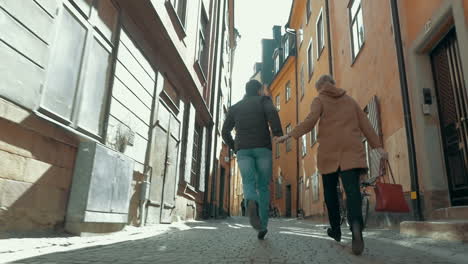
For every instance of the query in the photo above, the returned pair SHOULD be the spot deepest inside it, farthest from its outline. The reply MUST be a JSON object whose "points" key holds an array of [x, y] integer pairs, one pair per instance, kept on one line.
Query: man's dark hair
{"points": [[252, 87]]}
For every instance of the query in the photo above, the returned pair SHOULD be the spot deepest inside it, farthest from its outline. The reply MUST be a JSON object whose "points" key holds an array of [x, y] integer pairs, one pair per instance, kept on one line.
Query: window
{"points": [[309, 10], [278, 102], [289, 140], [315, 187], [202, 43], [277, 150], [320, 35], [84, 48], [180, 7], [286, 47], [220, 110], [302, 81], [279, 187], [277, 63], [300, 35], [310, 59], [304, 145], [196, 155], [357, 27], [288, 91], [313, 136]]}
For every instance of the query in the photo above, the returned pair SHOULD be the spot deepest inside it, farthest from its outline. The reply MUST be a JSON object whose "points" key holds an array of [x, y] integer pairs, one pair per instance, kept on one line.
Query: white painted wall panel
{"points": [[31, 16]]}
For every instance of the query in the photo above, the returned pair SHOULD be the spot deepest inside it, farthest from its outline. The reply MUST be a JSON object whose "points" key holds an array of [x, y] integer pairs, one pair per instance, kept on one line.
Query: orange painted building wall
{"points": [[374, 72], [307, 163], [417, 13], [286, 163]]}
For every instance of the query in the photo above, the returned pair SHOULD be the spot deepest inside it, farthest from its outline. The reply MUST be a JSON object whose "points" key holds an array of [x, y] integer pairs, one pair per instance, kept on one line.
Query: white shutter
{"points": [[203, 161], [374, 117]]}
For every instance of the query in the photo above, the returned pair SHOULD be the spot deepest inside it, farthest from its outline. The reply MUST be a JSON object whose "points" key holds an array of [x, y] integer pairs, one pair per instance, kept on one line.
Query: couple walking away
{"points": [[340, 154]]}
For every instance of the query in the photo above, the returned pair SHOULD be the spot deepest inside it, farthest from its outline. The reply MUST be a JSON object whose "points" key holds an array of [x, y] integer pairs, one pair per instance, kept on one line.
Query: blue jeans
{"points": [[255, 166]]}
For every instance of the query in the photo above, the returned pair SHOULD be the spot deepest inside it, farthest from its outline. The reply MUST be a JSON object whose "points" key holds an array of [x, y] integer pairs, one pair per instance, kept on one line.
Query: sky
{"points": [[255, 20]]}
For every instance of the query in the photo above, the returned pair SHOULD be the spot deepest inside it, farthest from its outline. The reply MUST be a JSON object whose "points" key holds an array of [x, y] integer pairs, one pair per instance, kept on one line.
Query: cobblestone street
{"points": [[233, 241]]}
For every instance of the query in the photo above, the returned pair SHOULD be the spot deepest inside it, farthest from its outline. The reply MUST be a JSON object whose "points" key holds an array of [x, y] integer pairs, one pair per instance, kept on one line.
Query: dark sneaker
{"points": [[261, 234], [334, 233], [252, 211], [358, 240]]}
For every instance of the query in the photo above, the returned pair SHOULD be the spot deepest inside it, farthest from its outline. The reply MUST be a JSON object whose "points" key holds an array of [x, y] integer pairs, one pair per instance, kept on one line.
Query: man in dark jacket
{"points": [[252, 119]]}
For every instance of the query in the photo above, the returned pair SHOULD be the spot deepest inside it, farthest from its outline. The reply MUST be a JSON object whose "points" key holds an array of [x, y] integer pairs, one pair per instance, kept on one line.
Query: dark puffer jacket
{"points": [[252, 117]]}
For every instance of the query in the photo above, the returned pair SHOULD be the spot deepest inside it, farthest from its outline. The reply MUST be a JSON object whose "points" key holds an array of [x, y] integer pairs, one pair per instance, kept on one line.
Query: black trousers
{"points": [[351, 183]]}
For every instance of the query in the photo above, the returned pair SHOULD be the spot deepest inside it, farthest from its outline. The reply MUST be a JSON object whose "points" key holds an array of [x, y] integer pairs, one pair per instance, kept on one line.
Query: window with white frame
{"points": [[315, 186], [196, 155], [313, 136], [356, 27], [289, 140], [83, 49], [300, 35], [278, 102], [277, 63], [302, 81], [279, 187], [180, 7], [304, 145], [310, 59], [286, 47], [309, 10], [288, 91], [320, 34], [202, 56]]}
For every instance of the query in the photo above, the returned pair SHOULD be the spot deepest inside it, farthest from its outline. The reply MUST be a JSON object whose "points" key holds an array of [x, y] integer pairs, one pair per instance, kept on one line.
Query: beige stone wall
{"points": [[36, 168]]}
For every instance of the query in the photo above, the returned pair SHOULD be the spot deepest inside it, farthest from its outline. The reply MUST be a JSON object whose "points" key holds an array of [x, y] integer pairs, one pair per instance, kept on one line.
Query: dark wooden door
{"points": [[452, 102], [221, 191], [288, 201]]}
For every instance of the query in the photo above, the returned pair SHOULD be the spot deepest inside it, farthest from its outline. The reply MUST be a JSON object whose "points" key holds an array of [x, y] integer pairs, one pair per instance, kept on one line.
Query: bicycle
{"points": [[364, 201], [365, 198]]}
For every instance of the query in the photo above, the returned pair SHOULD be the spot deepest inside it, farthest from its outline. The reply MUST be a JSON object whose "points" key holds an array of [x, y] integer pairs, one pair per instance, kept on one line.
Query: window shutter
{"points": [[203, 160], [374, 117], [190, 115]]}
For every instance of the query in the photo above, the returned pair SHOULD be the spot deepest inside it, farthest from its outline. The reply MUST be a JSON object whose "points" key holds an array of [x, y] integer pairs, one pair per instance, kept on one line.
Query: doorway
{"points": [[453, 114]]}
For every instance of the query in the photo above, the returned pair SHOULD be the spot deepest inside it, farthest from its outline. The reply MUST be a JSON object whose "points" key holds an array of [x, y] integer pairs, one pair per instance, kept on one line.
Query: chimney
{"points": [[277, 34]]}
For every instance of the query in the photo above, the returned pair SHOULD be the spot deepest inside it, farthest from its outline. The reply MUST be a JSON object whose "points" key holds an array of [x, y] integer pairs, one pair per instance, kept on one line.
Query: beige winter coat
{"points": [[342, 124]]}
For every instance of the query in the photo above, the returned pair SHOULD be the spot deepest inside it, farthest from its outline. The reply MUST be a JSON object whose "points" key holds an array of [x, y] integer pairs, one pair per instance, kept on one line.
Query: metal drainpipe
{"points": [[297, 122], [407, 111]]}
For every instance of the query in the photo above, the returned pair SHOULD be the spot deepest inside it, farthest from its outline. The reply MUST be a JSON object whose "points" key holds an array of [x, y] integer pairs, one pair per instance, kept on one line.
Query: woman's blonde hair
{"points": [[323, 79]]}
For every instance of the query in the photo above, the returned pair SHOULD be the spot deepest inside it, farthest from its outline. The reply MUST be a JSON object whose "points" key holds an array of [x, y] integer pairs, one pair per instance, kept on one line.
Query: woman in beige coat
{"points": [[340, 152]]}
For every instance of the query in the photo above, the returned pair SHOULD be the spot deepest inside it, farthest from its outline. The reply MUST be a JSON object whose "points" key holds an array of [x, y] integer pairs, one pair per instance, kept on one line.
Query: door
{"points": [[288, 201], [452, 102], [164, 157], [170, 177], [213, 210], [221, 192]]}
